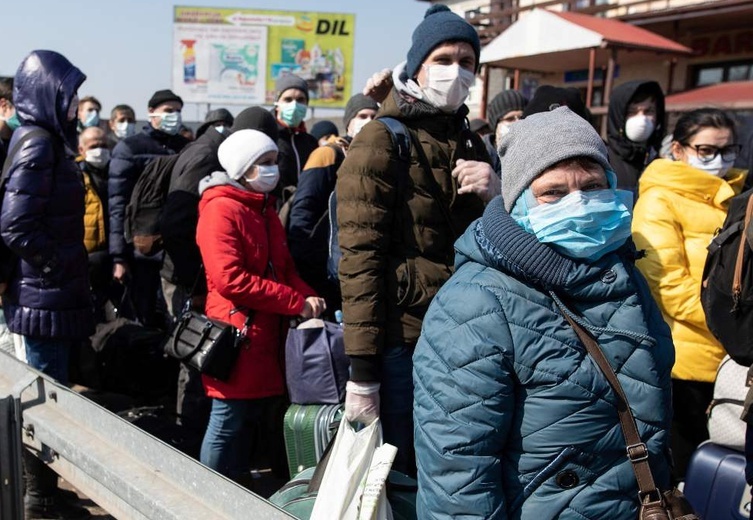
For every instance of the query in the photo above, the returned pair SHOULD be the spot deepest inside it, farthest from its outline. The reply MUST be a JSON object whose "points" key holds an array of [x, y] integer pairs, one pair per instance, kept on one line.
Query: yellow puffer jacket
{"points": [[678, 211], [95, 237]]}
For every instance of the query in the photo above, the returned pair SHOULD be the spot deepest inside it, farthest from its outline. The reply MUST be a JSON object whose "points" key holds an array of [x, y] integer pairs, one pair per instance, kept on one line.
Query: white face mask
{"points": [[124, 129], [358, 125], [447, 86], [97, 157], [266, 178], [220, 129], [502, 130], [639, 128], [717, 167]]}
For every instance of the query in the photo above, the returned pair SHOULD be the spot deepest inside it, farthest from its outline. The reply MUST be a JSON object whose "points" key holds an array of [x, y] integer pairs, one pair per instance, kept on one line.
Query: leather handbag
{"points": [[210, 346], [655, 504]]}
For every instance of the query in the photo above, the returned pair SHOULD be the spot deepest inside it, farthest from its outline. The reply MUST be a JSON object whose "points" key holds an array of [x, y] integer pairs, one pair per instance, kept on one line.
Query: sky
{"points": [[124, 47]]}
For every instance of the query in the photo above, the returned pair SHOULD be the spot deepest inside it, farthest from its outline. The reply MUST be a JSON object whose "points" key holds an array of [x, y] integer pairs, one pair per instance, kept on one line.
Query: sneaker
{"points": [[53, 509]]}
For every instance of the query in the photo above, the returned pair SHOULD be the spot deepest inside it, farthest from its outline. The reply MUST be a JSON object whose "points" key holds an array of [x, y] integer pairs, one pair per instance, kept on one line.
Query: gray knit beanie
{"points": [[286, 81], [542, 140], [355, 104], [504, 102]]}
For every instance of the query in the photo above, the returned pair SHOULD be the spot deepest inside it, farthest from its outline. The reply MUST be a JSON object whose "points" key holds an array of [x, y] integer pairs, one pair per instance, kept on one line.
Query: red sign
{"points": [[726, 44]]}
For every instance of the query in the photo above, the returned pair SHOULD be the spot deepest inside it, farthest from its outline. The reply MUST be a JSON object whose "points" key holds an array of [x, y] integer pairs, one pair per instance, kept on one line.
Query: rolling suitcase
{"points": [[308, 429], [715, 483]]}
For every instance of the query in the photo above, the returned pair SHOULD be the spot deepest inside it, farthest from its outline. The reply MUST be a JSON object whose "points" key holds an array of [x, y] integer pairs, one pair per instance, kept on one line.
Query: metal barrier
{"points": [[126, 471]]}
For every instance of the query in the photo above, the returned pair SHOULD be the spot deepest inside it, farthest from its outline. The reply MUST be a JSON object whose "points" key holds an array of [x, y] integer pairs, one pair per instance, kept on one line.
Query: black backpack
{"points": [[727, 288], [401, 147], [7, 257], [143, 216]]}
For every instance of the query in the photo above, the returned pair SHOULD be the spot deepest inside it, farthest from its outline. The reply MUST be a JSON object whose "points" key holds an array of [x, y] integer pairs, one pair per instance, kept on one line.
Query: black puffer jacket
{"points": [[42, 219], [629, 159], [181, 214]]}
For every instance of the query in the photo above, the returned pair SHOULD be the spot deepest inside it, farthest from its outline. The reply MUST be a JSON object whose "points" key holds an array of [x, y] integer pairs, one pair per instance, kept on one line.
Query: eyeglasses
{"points": [[707, 153]]}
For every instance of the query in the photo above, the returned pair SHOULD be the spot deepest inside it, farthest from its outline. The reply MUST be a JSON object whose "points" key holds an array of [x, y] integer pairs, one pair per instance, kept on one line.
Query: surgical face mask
{"points": [[124, 129], [358, 125], [717, 166], [13, 122], [220, 129], [292, 113], [170, 123], [447, 86], [583, 225], [97, 157], [91, 119], [502, 130], [639, 128], [73, 108], [266, 178]]}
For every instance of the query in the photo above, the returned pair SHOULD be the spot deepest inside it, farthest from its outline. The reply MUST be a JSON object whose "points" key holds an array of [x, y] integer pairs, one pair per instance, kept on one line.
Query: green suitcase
{"points": [[308, 429]]}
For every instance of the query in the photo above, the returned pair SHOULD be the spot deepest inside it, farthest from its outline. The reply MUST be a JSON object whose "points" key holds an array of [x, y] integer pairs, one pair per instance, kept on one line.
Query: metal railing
{"points": [[126, 471]]}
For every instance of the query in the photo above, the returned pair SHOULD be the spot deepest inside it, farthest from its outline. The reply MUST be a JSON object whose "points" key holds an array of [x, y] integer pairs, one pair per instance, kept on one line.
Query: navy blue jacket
{"points": [[42, 219], [513, 419], [129, 158]]}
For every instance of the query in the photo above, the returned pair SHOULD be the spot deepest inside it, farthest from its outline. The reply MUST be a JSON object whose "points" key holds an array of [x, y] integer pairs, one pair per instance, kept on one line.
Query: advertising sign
{"points": [[234, 56]]}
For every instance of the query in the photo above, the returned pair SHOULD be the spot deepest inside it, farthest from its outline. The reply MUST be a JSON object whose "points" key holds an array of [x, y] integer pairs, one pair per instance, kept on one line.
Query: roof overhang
{"points": [[734, 95]]}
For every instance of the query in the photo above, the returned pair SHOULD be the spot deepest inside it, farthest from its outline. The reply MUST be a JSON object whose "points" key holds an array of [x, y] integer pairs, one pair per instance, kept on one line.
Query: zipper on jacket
{"points": [[297, 157]]}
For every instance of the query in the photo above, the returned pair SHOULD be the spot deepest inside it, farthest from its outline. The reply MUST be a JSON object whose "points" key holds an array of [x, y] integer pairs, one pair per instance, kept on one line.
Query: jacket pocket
{"points": [[401, 280], [550, 491]]}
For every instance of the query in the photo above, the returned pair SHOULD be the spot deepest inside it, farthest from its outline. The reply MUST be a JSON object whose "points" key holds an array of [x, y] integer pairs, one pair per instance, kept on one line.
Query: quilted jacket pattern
{"points": [[513, 419]]}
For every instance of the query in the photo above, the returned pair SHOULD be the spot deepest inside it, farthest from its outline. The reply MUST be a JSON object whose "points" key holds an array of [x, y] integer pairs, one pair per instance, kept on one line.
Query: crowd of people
{"points": [[468, 256]]}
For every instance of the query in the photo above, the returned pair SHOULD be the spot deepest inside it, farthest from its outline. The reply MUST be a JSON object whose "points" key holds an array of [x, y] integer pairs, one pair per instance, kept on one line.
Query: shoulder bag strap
{"points": [[637, 451], [737, 281]]}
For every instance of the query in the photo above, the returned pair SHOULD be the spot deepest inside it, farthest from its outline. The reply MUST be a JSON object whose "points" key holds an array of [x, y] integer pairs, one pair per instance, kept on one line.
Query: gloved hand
{"points": [[361, 402]]}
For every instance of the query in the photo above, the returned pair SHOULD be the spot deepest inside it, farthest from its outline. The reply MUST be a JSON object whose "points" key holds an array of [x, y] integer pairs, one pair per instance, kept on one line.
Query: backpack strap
{"points": [[400, 137], [36, 132], [737, 280]]}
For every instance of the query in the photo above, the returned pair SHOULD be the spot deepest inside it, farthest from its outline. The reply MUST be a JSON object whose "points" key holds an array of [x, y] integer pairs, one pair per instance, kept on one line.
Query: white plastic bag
{"points": [[347, 471]]}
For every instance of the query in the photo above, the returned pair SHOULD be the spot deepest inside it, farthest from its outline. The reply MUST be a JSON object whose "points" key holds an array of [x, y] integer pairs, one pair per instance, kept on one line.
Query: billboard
{"points": [[234, 56]]}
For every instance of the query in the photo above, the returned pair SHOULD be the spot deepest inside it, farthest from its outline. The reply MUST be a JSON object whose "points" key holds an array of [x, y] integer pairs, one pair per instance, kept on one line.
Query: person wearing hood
{"points": [[308, 224], [398, 222], [682, 204], [514, 419], [252, 284], [294, 143], [635, 128], [182, 276], [505, 109], [47, 300], [129, 159]]}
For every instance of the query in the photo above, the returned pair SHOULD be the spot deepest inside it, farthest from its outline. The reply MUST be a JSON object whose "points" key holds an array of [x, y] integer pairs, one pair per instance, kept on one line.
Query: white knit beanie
{"points": [[241, 150]]}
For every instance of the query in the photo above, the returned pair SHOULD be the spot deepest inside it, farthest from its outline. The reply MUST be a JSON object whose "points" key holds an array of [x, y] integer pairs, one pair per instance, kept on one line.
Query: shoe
{"points": [[68, 496], [53, 508]]}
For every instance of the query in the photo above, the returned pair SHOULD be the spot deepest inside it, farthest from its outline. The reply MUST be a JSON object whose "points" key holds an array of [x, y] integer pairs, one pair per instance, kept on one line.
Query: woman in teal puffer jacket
{"points": [[513, 417]]}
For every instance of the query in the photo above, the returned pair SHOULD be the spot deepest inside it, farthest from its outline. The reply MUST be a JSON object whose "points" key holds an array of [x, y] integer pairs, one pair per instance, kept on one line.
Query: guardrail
{"points": [[126, 471]]}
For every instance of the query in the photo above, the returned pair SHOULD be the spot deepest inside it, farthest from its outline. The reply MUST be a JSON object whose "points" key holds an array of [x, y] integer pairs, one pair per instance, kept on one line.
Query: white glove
{"points": [[361, 402]]}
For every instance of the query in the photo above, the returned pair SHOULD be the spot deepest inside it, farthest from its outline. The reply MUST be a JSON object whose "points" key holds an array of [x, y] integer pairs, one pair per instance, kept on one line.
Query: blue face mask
{"points": [[292, 113], [92, 119], [13, 122], [584, 224], [170, 123]]}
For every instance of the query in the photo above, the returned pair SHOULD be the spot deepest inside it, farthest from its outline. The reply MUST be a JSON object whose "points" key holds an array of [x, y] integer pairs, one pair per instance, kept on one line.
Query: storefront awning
{"points": [[548, 41], [735, 95]]}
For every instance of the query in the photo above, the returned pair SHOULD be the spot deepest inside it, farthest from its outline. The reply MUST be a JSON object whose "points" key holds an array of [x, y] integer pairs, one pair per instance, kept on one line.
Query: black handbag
{"points": [[210, 346]]}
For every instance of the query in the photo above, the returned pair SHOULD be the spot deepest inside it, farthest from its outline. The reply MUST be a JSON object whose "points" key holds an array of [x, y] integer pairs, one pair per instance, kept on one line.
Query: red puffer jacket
{"points": [[239, 235]]}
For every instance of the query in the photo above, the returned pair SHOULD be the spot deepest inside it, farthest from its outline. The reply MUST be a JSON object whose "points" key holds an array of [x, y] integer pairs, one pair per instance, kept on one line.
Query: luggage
{"points": [[308, 430], [715, 483], [725, 426], [295, 498]]}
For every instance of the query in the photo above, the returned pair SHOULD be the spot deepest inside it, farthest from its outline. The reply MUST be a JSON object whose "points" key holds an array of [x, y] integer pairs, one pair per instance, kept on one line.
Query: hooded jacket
{"points": [[678, 211], [42, 219], [513, 419], [248, 270], [397, 225], [626, 157]]}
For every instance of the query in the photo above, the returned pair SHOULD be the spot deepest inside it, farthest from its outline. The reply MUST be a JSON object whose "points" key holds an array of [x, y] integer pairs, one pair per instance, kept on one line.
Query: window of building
{"points": [[712, 74]]}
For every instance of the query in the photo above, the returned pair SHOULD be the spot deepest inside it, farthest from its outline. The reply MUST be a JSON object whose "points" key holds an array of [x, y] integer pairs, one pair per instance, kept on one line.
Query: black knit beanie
{"points": [[257, 118], [356, 104], [438, 26], [547, 98], [164, 96], [504, 102]]}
